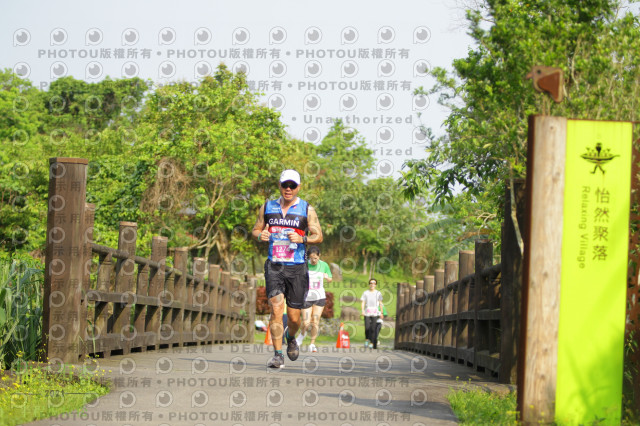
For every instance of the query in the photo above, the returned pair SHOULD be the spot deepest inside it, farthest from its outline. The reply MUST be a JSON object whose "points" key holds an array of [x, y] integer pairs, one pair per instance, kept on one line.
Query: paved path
{"points": [[230, 385]]}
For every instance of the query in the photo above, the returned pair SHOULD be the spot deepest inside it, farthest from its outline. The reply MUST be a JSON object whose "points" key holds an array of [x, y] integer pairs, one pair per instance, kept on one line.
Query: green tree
{"points": [[210, 154], [22, 180], [490, 100]]}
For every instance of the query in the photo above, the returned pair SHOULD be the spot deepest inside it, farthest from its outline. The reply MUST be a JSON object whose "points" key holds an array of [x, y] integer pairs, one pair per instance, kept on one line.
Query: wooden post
{"points": [[511, 294], [180, 290], [467, 260], [483, 260], [225, 278], [214, 280], [64, 259], [253, 285], [542, 266], [428, 309], [141, 310], [197, 299], [396, 338], [125, 270], [438, 313], [450, 276], [420, 300], [89, 214], [411, 302], [156, 286]]}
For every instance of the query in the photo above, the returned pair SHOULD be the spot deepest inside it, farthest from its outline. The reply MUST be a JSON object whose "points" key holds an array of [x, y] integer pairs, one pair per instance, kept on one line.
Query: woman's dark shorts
{"points": [[310, 303]]}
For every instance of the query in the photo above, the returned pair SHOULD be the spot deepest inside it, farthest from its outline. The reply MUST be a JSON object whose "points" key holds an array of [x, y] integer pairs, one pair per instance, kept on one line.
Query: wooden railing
{"points": [[105, 301], [454, 319], [469, 312]]}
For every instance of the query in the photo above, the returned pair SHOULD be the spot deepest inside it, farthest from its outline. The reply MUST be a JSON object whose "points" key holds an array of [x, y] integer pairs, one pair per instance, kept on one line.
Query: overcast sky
{"points": [[314, 62]]}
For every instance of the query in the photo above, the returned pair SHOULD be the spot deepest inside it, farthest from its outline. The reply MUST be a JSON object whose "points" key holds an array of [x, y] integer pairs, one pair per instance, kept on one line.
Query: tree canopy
{"points": [[595, 43]]}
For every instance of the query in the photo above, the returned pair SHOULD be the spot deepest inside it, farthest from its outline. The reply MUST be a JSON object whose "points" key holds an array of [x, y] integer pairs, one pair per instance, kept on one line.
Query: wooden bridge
{"points": [[175, 338], [111, 303]]}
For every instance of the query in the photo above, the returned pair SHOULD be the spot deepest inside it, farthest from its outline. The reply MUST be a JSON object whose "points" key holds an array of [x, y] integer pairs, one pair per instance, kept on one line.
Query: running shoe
{"points": [[276, 362], [312, 348], [366, 344], [293, 350]]}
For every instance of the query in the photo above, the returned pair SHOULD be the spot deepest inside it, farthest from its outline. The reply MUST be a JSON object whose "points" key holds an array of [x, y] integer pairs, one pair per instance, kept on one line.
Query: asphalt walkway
{"points": [[231, 385]]}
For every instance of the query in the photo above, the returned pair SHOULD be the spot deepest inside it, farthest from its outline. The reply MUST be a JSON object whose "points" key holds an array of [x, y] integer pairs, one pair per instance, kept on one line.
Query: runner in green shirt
{"points": [[319, 273]]}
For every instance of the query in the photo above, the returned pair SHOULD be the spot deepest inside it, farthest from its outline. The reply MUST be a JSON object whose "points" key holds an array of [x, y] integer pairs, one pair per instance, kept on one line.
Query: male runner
{"points": [[288, 224]]}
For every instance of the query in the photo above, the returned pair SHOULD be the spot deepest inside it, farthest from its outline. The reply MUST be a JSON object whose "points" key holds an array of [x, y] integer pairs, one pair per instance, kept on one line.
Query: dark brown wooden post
{"points": [[467, 263], [180, 291], [102, 321], [420, 300], [156, 286], [411, 302], [125, 274], [400, 315], [484, 259], [253, 285], [428, 309], [214, 281], [406, 289], [145, 338], [89, 214], [64, 259], [198, 299], [226, 305], [439, 312], [450, 276], [511, 288], [396, 338]]}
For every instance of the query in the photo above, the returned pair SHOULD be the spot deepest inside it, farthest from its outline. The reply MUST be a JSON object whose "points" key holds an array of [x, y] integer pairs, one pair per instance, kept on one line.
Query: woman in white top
{"points": [[372, 310], [319, 273]]}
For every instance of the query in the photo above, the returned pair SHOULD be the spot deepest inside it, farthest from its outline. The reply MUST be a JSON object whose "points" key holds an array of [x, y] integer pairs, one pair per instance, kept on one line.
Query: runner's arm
{"points": [[259, 232], [314, 235]]}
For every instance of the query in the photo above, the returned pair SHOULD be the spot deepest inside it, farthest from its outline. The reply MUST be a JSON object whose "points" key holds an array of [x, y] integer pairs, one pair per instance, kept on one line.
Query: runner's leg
{"points": [[276, 303], [316, 313]]}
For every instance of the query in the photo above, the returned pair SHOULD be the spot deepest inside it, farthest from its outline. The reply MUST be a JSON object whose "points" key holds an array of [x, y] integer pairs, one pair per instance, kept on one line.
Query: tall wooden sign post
{"points": [[575, 270]]}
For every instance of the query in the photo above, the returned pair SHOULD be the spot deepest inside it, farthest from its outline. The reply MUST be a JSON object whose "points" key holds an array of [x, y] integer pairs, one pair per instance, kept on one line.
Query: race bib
{"points": [[281, 251], [315, 280], [371, 311]]}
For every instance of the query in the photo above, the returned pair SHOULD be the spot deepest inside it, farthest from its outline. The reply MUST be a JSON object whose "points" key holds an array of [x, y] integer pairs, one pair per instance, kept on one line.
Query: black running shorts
{"points": [[310, 303], [290, 280]]}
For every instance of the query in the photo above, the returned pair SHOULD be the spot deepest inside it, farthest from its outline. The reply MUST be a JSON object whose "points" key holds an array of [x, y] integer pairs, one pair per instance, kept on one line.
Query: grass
{"points": [[30, 391], [473, 405], [33, 392], [21, 283]]}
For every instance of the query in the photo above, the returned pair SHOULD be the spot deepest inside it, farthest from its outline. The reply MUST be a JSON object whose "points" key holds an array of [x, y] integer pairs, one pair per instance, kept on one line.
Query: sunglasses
{"points": [[289, 185]]}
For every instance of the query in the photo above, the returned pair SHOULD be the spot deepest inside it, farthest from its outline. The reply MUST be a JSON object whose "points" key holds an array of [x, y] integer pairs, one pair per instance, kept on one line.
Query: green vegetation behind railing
{"points": [[21, 283]]}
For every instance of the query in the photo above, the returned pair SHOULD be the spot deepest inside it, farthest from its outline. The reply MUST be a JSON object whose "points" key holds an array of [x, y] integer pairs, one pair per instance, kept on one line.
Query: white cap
{"points": [[290, 175]]}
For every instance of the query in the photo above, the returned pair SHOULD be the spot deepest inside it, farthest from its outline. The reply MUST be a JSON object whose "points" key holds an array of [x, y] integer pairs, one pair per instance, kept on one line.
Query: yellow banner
{"points": [[594, 269]]}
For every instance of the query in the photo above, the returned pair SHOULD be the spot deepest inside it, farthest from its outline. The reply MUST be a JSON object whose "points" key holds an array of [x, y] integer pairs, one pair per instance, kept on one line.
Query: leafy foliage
{"points": [[490, 100]]}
